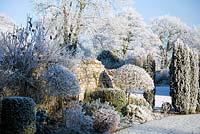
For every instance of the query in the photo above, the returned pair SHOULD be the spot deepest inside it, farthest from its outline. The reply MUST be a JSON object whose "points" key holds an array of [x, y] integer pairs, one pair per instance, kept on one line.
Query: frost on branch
{"points": [[169, 29], [22, 53]]}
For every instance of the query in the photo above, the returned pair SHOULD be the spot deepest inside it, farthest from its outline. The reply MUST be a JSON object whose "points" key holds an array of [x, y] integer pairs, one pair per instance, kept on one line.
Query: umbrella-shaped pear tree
{"points": [[132, 78]]}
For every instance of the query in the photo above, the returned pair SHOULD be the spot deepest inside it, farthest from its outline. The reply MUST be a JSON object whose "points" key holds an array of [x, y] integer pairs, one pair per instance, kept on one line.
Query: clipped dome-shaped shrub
{"points": [[110, 60], [18, 115], [115, 97], [131, 77], [60, 81], [105, 120]]}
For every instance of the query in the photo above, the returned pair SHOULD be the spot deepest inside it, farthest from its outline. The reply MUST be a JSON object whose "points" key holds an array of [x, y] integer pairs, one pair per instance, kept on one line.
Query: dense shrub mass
{"points": [[75, 119], [18, 115], [117, 98], [90, 108], [23, 53], [60, 81], [140, 102], [41, 119], [105, 120], [162, 77]]}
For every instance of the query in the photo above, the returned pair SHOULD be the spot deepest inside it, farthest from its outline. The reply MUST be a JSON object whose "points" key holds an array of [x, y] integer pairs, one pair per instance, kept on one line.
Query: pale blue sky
{"points": [[187, 10]]}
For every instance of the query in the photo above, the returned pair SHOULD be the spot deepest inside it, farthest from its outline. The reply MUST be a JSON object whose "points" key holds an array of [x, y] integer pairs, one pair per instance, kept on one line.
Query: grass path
{"points": [[178, 124]]}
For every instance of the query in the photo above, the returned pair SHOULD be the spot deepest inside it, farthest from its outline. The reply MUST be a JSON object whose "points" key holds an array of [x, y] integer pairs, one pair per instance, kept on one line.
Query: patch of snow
{"points": [[160, 99], [162, 95]]}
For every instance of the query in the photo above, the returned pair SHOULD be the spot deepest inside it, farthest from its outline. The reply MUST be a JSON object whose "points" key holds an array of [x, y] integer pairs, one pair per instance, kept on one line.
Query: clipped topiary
{"points": [[60, 81], [105, 120], [41, 119], [110, 60], [105, 80], [117, 98], [132, 78], [18, 115]]}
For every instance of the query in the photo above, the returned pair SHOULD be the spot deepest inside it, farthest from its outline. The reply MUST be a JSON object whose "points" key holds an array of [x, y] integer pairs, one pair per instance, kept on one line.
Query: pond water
{"points": [[162, 90]]}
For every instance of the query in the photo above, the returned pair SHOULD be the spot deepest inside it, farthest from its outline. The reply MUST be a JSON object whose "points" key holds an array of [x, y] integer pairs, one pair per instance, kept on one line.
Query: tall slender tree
{"points": [[198, 98], [194, 81], [180, 77], [150, 67]]}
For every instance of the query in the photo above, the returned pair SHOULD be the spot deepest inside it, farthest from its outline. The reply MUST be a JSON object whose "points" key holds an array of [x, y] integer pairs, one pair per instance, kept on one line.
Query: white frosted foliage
{"points": [[131, 77], [61, 81]]}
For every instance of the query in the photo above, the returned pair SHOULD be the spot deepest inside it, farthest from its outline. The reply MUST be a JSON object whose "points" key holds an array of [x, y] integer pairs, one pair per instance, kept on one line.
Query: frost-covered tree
{"points": [[66, 18], [169, 29], [196, 39], [184, 74], [134, 34], [180, 77], [74, 19], [198, 98], [126, 34], [194, 85], [150, 67], [131, 78]]}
